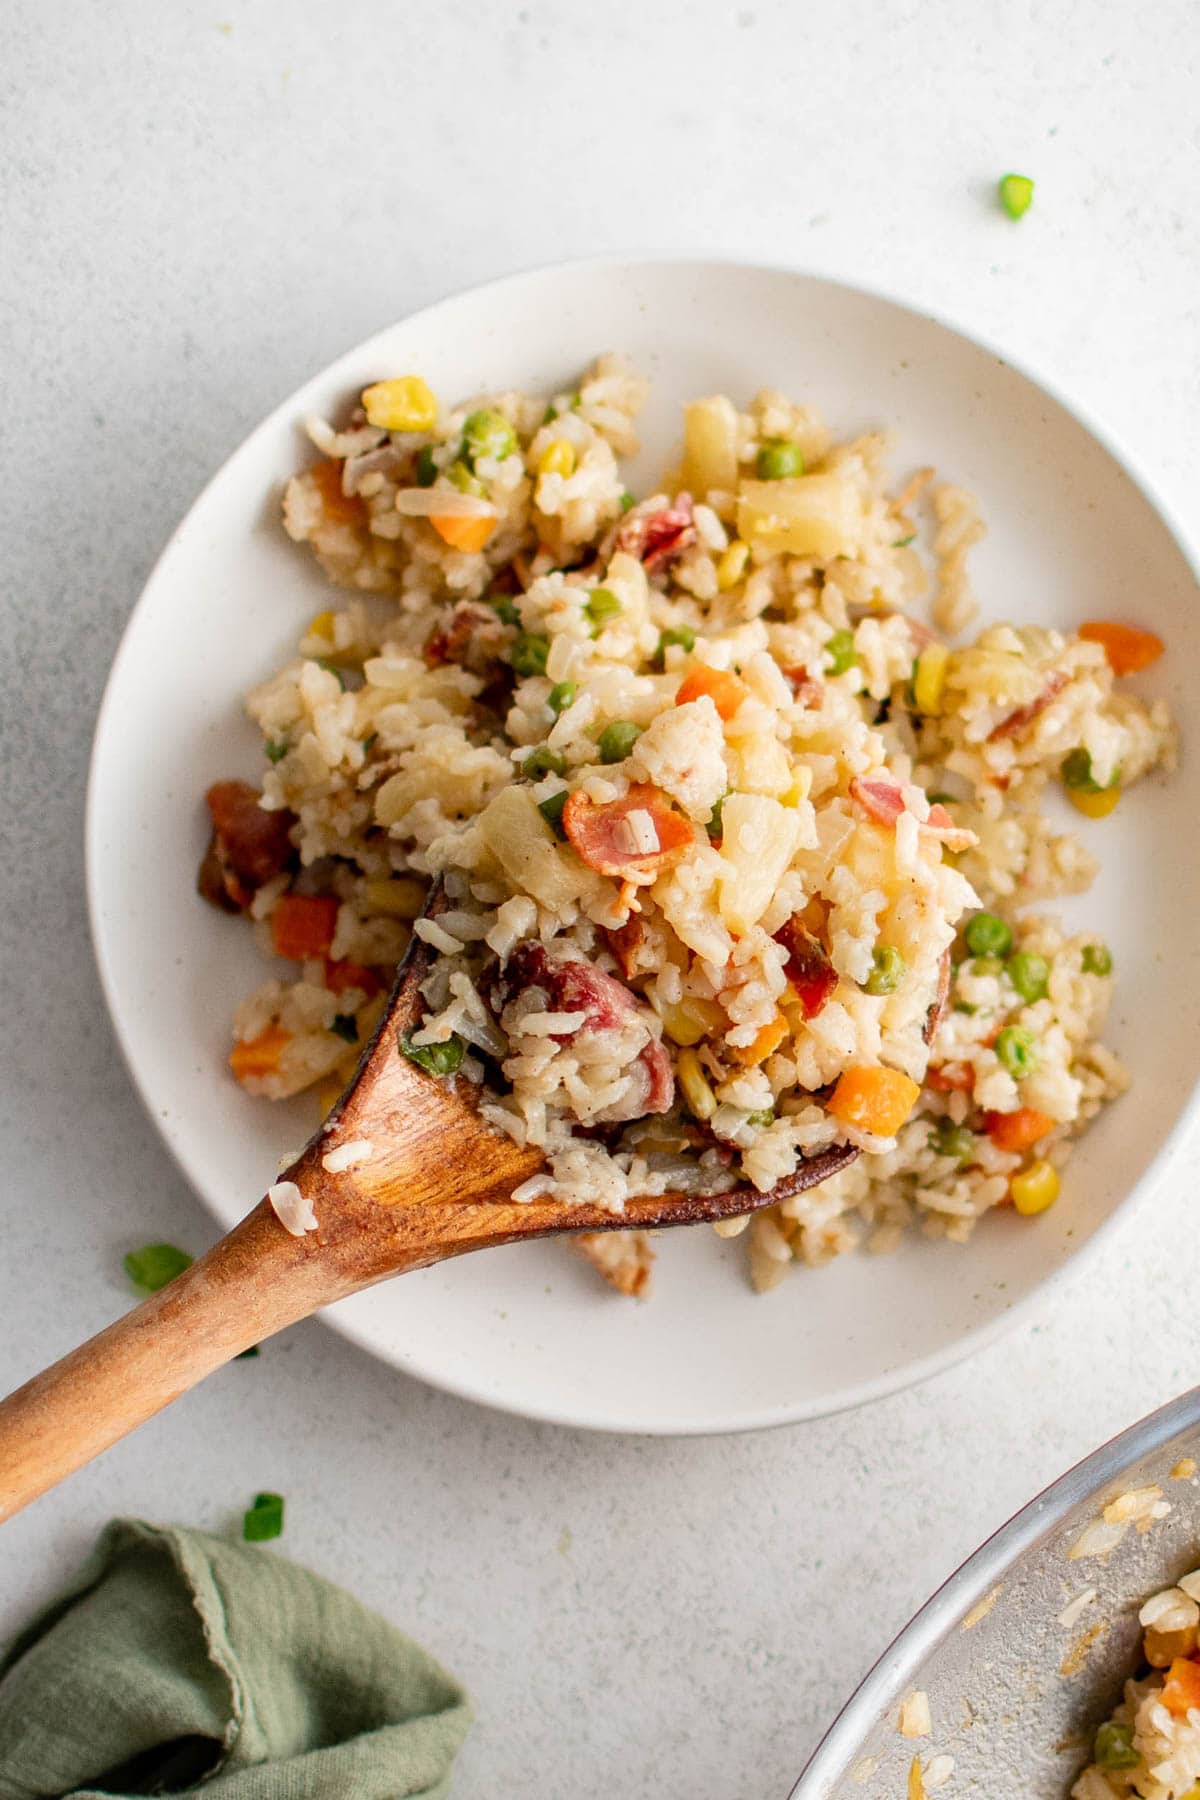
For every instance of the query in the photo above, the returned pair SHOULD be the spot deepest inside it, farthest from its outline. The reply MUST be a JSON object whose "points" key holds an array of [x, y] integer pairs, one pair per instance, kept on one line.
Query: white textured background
{"points": [[201, 204]]}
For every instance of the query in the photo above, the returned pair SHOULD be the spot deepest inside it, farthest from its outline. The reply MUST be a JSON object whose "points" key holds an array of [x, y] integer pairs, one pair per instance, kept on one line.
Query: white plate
{"points": [[529, 1328]]}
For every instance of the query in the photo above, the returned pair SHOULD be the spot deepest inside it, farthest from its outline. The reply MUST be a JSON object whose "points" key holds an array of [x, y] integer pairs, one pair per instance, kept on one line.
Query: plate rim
{"points": [[911, 1373]]}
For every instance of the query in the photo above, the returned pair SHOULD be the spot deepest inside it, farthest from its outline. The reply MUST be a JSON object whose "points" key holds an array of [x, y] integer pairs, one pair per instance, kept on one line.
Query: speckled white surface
{"points": [[205, 202]]}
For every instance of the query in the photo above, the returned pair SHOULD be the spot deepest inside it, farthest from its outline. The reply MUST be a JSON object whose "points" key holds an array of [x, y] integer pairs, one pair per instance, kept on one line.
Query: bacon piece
{"points": [[1025, 715], [249, 846], [805, 689], [600, 836], [470, 634], [880, 799], [942, 826], [571, 986], [808, 967], [656, 538]]}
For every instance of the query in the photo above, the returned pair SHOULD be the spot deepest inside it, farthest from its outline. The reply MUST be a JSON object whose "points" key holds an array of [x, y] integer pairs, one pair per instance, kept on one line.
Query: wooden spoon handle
{"points": [[249, 1285]]}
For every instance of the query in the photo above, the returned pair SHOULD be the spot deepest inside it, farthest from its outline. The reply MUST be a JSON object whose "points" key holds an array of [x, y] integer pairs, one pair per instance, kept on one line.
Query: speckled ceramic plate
{"points": [[1074, 534]]}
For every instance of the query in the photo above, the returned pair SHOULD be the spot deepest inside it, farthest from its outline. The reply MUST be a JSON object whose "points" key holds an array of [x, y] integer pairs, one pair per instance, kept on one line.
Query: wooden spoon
{"points": [[439, 1182]]}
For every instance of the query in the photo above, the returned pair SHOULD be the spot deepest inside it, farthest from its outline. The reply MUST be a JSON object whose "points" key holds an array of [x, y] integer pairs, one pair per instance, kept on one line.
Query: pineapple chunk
{"points": [[759, 838], [759, 765], [710, 446], [524, 845], [805, 515]]}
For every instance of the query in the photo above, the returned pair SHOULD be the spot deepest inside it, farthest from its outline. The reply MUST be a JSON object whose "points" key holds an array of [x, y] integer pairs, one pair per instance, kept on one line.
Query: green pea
{"points": [[987, 935], [601, 605], [948, 1139], [427, 469], [435, 1059], [506, 609], [763, 1118], [1113, 1748], [1097, 959], [778, 459], [888, 969], [683, 635], [461, 477], [1076, 773], [561, 695], [1016, 194], [714, 827], [1017, 1051], [1029, 974], [841, 652], [617, 740], [543, 761], [275, 751], [529, 652], [551, 810], [487, 433], [627, 501]]}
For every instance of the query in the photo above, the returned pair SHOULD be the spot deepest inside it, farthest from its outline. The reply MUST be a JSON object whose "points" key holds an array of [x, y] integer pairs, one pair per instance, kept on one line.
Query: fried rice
{"points": [[1150, 1745], [733, 848]]}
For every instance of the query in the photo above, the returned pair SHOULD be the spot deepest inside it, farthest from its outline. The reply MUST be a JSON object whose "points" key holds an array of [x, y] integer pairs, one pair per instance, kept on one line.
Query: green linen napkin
{"points": [[179, 1663]]}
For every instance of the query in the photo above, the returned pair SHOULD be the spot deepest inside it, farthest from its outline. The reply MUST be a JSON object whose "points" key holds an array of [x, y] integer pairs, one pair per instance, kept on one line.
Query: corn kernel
{"points": [[406, 404], [731, 565], [801, 787], [1035, 1188], [401, 898], [1094, 806], [558, 458], [702, 1102], [321, 626], [687, 1021], [929, 682]]}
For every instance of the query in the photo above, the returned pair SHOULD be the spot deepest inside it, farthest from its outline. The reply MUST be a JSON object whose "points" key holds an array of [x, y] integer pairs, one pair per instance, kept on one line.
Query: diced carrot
{"points": [[951, 1078], [339, 508], [1181, 1690], [342, 975], [302, 925], [259, 1056], [1017, 1131], [1127, 647], [874, 1099], [726, 691], [464, 532], [767, 1040]]}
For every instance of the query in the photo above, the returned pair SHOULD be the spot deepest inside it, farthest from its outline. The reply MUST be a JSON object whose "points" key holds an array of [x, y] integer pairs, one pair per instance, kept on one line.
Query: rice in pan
{"points": [[736, 849]]}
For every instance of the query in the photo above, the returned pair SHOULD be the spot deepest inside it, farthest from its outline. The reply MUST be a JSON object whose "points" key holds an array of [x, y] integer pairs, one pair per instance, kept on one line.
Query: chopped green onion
{"points": [[369, 743], [346, 1026], [151, 1267], [506, 609], [943, 799], [683, 635], [1097, 959], [1029, 974], [1113, 1748], [1016, 194], [459, 475], [888, 969], [427, 469], [840, 649], [244, 1355], [323, 662], [964, 1006], [627, 501], [275, 751], [715, 828], [948, 1139], [617, 740], [764, 1117], [1077, 773], [903, 543], [987, 935], [561, 695], [543, 761], [487, 433], [601, 604], [435, 1059], [264, 1519], [1017, 1051], [529, 653], [551, 809], [778, 459]]}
